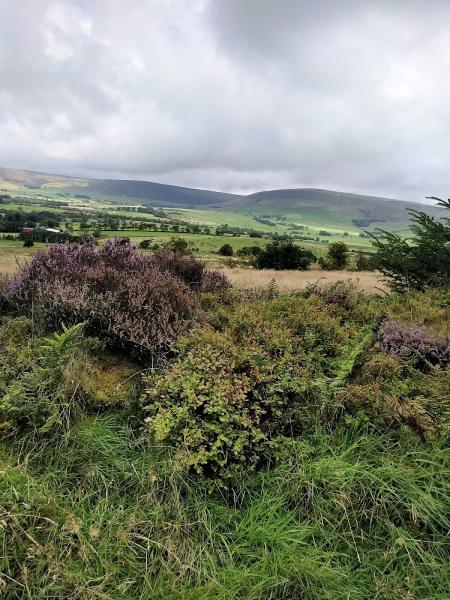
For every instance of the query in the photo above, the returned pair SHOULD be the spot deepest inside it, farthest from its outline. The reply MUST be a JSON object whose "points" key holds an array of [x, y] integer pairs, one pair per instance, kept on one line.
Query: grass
{"points": [[345, 516], [368, 281], [12, 252]]}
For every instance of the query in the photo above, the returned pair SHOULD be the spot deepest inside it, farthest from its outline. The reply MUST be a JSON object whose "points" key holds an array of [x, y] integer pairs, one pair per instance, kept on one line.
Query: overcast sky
{"points": [[235, 95]]}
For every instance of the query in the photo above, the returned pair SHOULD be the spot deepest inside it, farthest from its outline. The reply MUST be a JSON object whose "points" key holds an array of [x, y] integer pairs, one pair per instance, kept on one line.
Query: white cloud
{"points": [[238, 95]]}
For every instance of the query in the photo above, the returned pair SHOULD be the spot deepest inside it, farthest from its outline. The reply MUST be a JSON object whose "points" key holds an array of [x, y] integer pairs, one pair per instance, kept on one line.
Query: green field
{"points": [[92, 212], [316, 209]]}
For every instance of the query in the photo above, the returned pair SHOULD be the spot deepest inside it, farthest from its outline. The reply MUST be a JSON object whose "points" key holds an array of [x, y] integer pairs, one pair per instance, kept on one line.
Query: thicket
{"points": [[284, 254]]}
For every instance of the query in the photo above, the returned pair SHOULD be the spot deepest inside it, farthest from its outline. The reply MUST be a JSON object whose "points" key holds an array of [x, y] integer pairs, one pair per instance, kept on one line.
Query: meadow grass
{"points": [[348, 515]]}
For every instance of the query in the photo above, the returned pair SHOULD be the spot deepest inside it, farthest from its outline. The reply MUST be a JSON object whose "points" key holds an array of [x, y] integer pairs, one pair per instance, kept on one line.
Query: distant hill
{"points": [[118, 190], [308, 205], [361, 210]]}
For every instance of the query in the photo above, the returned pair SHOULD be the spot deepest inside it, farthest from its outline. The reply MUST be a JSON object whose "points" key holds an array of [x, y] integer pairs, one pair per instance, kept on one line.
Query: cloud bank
{"points": [[237, 95]]}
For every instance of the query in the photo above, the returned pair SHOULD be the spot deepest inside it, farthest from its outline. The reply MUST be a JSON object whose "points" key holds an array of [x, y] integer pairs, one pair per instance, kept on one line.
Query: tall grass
{"points": [[346, 515]]}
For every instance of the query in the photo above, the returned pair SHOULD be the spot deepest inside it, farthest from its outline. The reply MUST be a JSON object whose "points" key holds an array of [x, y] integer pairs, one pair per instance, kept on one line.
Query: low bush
{"points": [[45, 396], [222, 400], [266, 371], [413, 342], [137, 301], [392, 393]]}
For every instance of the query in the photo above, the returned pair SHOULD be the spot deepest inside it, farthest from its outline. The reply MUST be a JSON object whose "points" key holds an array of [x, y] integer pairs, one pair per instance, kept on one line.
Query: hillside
{"points": [[362, 210], [312, 206]]}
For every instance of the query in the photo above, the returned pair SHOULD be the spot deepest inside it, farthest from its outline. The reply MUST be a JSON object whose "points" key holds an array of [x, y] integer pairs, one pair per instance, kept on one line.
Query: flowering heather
{"points": [[413, 341], [125, 296]]}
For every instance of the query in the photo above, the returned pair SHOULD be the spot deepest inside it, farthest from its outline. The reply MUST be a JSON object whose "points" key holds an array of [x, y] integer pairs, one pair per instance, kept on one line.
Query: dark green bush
{"points": [[226, 250], [284, 254]]}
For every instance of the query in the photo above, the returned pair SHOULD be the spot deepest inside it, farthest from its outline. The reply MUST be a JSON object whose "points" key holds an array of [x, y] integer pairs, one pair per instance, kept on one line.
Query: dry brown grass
{"points": [[10, 255], [368, 281]]}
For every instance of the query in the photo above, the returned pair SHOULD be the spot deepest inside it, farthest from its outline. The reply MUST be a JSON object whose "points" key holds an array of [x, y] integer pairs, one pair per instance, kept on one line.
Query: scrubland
{"points": [[164, 435]]}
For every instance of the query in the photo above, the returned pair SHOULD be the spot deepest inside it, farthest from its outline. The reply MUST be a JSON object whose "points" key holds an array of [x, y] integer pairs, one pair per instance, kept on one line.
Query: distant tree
{"points": [[249, 251], [226, 250], [337, 255], [178, 245], [421, 261], [284, 254]]}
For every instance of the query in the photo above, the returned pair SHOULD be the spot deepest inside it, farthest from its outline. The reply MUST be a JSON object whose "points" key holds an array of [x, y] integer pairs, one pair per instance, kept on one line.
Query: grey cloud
{"points": [[234, 95]]}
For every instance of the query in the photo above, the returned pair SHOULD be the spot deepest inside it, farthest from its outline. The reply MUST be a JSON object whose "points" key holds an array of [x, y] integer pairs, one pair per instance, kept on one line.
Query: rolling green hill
{"points": [[314, 207]]}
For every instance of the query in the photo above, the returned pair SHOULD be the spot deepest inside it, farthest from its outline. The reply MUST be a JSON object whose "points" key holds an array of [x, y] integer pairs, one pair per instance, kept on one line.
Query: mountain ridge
{"points": [[320, 205]]}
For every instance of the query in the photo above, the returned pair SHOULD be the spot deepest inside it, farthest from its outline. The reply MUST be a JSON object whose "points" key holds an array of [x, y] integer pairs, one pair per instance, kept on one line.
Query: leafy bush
{"points": [[336, 257], [249, 251], [284, 254], [392, 392], [221, 401], [226, 250], [263, 373], [137, 301], [176, 245], [364, 262]]}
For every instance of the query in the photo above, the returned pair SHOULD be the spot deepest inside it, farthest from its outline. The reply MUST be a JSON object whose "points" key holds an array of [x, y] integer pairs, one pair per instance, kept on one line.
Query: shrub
{"points": [[337, 255], [226, 250], [284, 254], [221, 401], [250, 251], [46, 396], [392, 392], [176, 245], [363, 262], [415, 343], [143, 302], [260, 375]]}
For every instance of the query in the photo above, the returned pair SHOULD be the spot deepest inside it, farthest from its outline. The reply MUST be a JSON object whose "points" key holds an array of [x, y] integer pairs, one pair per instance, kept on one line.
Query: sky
{"points": [[234, 95]]}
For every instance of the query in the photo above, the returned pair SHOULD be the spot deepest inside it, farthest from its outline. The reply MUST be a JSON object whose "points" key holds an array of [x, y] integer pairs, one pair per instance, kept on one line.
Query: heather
{"points": [[163, 435], [414, 342], [132, 300]]}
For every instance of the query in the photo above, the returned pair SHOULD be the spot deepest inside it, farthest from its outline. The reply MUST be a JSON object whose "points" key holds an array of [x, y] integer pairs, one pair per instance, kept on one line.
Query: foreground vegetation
{"points": [[164, 436]]}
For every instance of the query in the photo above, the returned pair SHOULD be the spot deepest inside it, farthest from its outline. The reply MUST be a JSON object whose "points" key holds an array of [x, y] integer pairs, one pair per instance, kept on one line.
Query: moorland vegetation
{"points": [[166, 436]]}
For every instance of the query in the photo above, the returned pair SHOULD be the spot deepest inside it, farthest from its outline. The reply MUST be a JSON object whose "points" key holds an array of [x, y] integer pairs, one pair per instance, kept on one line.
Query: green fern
{"points": [[46, 396], [355, 348]]}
